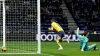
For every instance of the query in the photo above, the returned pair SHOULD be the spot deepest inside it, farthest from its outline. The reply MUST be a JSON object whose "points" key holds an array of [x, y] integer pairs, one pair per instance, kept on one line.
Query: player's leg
{"points": [[58, 42], [59, 39], [95, 46], [81, 43], [62, 34], [84, 44], [92, 46], [67, 40]]}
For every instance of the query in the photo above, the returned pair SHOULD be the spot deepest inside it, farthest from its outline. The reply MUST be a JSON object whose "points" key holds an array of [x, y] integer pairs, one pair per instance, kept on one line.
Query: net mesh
{"points": [[1, 22], [21, 26]]}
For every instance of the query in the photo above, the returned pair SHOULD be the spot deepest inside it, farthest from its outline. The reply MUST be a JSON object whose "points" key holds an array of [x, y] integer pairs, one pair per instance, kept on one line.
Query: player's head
{"points": [[85, 33], [53, 20]]}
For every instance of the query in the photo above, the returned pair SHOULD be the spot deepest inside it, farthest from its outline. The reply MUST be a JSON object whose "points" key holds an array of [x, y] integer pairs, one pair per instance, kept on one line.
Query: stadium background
{"points": [[71, 14]]}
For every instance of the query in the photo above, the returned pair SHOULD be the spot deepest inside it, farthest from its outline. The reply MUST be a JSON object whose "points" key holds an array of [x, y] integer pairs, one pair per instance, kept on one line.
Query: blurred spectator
{"points": [[85, 12]]}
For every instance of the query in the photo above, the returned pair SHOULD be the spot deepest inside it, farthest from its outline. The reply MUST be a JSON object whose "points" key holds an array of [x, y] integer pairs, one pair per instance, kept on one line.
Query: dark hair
{"points": [[85, 33], [53, 20]]}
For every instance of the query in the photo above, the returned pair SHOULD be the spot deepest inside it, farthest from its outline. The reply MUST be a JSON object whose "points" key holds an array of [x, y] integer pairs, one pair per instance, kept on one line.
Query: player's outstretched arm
{"points": [[77, 33]]}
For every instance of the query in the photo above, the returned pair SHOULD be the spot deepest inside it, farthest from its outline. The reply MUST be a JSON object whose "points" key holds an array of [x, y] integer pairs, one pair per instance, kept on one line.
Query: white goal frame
{"points": [[38, 34]]}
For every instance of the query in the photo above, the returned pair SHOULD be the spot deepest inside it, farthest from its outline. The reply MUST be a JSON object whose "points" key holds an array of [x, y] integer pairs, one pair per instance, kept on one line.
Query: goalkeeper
{"points": [[84, 42], [56, 27]]}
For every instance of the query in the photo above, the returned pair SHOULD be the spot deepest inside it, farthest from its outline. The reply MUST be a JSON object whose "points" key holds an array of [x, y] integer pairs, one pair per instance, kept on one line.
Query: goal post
{"points": [[39, 27], [4, 15], [21, 28]]}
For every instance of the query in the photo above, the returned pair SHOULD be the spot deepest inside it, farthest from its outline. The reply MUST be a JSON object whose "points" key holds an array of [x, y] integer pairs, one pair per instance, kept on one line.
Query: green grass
{"points": [[50, 49], [20, 47]]}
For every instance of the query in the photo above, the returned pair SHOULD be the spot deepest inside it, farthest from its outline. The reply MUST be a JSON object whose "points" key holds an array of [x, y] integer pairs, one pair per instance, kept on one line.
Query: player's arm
{"points": [[77, 33], [51, 28]]}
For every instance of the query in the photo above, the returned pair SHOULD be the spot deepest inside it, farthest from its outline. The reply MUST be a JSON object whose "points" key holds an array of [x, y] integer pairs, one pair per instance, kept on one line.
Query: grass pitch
{"points": [[50, 49]]}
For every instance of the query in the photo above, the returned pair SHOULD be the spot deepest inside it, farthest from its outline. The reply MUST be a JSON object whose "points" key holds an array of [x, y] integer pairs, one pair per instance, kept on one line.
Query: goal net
{"points": [[20, 26]]}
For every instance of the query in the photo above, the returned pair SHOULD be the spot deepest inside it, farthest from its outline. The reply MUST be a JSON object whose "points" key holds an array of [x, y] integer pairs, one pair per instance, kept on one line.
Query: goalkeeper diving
{"points": [[84, 42], [59, 30]]}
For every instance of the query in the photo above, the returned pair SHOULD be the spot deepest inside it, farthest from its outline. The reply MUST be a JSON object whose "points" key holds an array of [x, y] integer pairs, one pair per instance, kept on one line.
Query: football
{"points": [[4, 49]]}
